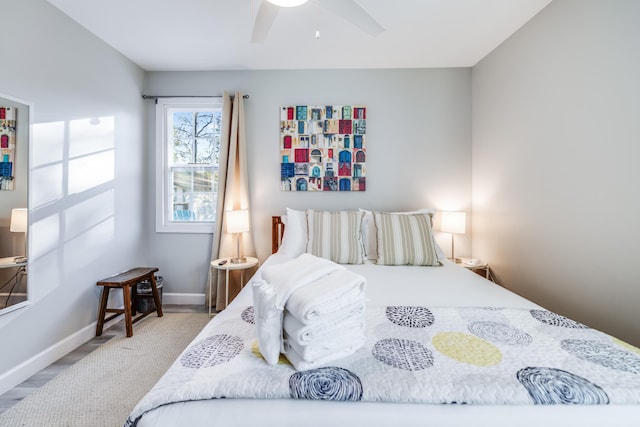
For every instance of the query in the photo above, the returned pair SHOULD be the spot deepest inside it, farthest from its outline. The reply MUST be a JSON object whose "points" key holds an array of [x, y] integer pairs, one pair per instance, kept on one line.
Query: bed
{"points": [[472, 332]]}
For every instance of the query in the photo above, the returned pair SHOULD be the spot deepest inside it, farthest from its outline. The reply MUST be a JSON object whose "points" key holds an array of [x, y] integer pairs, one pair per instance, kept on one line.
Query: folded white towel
{"points": [[268, 319], [302, 365], [291, 275], [334, 306], [328, 295], [351, 318], [319, 350]]}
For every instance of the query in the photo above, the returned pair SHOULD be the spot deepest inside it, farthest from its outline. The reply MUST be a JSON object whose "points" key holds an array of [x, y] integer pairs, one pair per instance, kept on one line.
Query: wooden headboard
{"points": [[277, 231]]}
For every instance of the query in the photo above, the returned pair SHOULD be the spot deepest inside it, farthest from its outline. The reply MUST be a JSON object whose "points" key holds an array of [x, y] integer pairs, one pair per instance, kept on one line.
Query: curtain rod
{"points": [[185, 96]]}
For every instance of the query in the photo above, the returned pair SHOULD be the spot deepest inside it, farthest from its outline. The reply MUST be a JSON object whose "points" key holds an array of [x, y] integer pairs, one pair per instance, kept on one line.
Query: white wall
{"points": [[555, 162], [87, 181], [418, 148]]}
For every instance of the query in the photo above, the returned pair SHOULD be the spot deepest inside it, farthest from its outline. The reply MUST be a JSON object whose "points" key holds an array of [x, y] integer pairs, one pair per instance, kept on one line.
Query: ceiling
{"points": [[180, 35]]}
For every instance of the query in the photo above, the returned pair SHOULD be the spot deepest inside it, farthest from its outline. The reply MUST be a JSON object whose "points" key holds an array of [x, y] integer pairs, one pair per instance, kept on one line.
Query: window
{"points": [[188, 142]]}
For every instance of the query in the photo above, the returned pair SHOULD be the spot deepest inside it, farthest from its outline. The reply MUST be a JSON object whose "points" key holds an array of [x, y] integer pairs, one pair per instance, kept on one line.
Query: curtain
{"points": [[233, 194]]}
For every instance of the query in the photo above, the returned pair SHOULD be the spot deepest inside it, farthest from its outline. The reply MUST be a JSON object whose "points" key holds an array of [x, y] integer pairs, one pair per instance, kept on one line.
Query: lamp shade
{"points": [[19, 220], [238, 221], [453, 222], [287, 3]]}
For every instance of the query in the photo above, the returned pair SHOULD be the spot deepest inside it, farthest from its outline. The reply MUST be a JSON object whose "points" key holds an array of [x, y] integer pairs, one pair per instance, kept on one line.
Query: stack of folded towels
{"points": [[311, 310]]}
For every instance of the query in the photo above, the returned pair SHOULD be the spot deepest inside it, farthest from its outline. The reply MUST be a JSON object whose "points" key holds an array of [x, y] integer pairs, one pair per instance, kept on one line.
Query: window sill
{"points": [[201, 228]]}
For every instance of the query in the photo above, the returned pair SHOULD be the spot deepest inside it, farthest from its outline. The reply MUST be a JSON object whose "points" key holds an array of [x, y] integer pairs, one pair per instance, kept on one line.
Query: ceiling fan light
{"points": [[288, 3]]}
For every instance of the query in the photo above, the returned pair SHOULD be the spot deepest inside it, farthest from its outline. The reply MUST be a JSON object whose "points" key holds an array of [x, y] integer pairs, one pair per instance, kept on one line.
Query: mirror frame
{"points": [[28, 139]]}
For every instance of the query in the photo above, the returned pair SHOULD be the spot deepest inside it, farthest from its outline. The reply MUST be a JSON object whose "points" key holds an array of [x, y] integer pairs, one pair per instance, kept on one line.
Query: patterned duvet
{"points": [[433, 355]]}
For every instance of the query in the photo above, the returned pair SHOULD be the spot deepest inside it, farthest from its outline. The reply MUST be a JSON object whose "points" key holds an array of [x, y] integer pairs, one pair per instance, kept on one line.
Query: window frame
{"points": [[164, 215]]}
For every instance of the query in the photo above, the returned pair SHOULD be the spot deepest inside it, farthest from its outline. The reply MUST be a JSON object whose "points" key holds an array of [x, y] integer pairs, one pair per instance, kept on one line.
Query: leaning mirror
{"points": [[14, 172]]}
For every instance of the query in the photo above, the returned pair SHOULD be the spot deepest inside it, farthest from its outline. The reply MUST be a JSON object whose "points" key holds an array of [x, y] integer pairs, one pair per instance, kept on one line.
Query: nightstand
{"points": [[481, 269], [227, 266], [12, 262]]}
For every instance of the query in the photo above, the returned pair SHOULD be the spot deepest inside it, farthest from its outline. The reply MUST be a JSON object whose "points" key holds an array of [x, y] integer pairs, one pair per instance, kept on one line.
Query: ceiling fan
{"points": [[347, 9]]}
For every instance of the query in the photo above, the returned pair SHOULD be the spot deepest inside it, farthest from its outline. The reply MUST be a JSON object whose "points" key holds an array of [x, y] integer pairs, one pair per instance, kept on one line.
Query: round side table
{"points": [[227, 266]]}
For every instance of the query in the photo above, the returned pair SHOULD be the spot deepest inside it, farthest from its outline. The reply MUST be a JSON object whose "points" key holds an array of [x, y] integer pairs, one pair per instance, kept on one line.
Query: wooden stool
{"points": [[127, 281]]}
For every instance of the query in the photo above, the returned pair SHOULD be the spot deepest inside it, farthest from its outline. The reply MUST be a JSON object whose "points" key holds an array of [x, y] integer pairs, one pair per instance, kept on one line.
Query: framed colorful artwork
{"points": [[7, 146], [323, 148]]}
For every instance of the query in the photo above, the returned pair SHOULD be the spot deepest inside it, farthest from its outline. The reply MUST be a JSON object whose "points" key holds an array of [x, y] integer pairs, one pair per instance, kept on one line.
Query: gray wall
{"points": [[418, 148], [87, 181], [555, 162]]}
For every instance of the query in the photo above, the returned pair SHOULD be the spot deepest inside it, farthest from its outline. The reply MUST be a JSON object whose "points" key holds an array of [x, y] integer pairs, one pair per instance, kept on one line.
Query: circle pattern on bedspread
{"points": [[500, 333], [403, 354], [554, 319], [603, 354], [551, 386], [329, 383], [467, 348], [212, 351], [248, 315], [255, 350], [410, 316]]}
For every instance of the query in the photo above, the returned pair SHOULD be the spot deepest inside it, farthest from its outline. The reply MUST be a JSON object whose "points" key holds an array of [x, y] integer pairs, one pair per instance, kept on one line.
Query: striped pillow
{"points": [[336, 236], [405, 239]]}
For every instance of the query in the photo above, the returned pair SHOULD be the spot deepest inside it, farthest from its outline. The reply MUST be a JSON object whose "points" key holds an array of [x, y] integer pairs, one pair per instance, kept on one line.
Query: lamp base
{"points": [[238, 260]]}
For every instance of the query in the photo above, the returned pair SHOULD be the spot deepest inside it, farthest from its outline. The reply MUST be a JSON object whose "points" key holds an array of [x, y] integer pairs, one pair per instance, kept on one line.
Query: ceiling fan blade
{"points": [[267, 13], [354, 13]]}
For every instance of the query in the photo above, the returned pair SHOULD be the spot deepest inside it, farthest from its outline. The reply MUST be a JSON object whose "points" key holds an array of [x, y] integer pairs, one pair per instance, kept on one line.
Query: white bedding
{"points": [[450, 285], [446, 286]]}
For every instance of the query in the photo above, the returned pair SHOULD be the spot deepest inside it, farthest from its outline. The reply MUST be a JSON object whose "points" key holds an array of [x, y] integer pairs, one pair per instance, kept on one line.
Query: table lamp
{"points": [[238, 222], [19, 224], [454, 223]]}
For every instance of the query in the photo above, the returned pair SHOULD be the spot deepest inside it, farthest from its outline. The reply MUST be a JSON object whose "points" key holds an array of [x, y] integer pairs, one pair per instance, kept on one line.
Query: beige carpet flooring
{"points": [[101, 389]]}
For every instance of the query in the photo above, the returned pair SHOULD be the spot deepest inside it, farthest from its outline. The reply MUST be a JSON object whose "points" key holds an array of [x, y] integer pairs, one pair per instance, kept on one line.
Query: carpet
{"points": [[102, 388]]}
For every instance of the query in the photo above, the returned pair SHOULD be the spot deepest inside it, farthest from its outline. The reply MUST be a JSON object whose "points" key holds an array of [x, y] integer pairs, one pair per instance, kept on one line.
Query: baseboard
{"points": [[183, 299], [26, 369]]}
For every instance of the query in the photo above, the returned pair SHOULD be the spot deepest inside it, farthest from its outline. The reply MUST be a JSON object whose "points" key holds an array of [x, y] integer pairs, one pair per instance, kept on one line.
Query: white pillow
{"points": [[294, 240], [370, 239], [369, 235]]}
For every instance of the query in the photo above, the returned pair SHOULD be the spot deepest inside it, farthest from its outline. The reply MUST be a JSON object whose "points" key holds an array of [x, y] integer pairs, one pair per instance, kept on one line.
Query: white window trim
{"points": [[164, 224]]}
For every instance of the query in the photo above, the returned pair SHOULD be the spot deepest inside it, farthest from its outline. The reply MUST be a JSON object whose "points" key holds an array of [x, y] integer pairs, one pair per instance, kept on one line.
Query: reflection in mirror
{"points": [[14, 170]]}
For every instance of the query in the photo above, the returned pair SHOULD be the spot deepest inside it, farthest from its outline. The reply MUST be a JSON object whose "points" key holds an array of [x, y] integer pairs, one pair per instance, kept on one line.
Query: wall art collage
{"points": [[323, 148]]}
